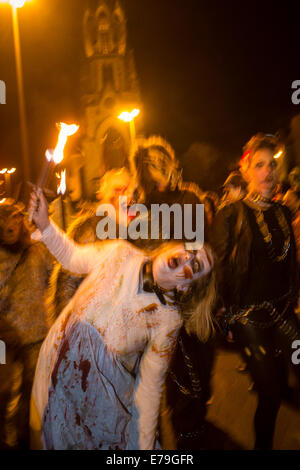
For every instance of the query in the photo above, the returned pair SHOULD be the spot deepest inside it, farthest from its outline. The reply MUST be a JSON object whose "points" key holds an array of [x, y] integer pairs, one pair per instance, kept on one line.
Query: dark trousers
{"points": [[268, 353]]}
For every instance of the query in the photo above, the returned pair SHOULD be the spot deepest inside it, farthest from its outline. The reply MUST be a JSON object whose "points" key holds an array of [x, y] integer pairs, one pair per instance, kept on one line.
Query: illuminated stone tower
{"points": [[110, 86]]}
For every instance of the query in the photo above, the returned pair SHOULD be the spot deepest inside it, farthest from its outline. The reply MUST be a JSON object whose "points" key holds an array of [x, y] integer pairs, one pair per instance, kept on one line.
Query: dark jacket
{"points": [[231, 240]]}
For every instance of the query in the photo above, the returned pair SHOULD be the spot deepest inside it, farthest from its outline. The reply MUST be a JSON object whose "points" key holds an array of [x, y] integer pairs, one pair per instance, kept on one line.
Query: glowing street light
{"points": [[127, 116], [15, 5], [278, 154]]}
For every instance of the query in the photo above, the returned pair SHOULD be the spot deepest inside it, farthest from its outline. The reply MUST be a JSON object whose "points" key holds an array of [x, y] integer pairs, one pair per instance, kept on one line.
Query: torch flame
{"points": [[10, 172], [2, 172], [2, 201], [65, 131], [62, 186]]}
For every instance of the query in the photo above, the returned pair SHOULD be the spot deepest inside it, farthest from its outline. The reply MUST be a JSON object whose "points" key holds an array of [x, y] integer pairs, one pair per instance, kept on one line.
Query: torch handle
{"points": [[48, 166]]}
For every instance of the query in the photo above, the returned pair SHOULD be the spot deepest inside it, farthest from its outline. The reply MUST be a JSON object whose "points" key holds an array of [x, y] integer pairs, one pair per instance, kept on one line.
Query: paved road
{"points": [[233, 407]]}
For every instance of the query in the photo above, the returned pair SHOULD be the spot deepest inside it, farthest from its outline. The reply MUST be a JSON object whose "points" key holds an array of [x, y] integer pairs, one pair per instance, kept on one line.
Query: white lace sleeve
{"points": [[76, 258], [153, 368]]}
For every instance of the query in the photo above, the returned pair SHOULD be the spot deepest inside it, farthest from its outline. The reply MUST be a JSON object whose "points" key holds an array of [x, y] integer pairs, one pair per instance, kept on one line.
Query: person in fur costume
{"points": [[25, 268]]}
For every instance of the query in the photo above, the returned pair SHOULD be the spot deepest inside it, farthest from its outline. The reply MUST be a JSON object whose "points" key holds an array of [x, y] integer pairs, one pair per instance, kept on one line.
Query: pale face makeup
{"points": [[177, 268], [262, 173]]}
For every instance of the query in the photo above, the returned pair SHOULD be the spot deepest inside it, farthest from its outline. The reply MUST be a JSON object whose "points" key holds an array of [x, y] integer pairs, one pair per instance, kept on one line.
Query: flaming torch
{"points": [[55, 157], [61, 192]]}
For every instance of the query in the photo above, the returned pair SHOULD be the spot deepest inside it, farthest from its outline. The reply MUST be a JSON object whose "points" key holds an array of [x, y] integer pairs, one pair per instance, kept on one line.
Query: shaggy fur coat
{"points": [[24, 278]]}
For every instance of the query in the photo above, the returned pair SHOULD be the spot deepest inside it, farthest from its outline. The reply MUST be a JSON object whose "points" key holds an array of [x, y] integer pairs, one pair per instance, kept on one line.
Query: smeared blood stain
{"points": [[65, 322], [84, 367], [62, 354], [150, 308], [88, 430], [188, 273], [78, 420]]}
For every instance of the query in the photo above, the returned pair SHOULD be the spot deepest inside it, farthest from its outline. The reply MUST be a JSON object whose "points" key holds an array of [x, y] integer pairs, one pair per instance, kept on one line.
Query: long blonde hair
{"points": [[197, 313]]}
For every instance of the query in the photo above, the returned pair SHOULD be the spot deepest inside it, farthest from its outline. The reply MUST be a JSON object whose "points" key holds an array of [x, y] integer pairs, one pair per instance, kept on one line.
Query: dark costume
{"points": [[257, 265]]}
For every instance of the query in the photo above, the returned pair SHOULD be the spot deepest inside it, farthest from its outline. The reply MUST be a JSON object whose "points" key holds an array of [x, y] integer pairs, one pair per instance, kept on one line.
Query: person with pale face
{"points": [[254, 242], [177, 268], [261, 173], [101, 370]]}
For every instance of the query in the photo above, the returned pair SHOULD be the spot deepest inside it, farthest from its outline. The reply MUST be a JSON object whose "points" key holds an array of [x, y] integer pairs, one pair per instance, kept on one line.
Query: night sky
{"points": [[210, 72]]}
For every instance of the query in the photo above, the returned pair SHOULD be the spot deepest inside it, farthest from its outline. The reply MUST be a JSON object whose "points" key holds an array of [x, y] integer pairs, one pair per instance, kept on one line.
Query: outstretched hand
{"points": [[38, 207]]}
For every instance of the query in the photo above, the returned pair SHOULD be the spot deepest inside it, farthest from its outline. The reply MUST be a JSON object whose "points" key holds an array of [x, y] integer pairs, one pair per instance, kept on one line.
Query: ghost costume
{"points": [[101, 369]]}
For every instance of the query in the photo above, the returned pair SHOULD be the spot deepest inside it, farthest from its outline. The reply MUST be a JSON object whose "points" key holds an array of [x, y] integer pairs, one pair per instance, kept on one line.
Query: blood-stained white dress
{"points": [[101, 369]]}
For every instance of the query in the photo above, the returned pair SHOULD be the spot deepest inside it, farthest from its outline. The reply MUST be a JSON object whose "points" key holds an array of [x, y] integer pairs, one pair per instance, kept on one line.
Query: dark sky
{"points": [[209, 71]]}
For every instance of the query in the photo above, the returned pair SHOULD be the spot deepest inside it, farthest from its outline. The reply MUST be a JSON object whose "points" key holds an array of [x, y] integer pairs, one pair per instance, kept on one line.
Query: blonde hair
{"points": [[197, 314]]}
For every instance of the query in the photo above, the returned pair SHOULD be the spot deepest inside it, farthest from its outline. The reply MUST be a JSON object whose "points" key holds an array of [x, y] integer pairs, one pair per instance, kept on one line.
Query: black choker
{"points": [[147, 284]]}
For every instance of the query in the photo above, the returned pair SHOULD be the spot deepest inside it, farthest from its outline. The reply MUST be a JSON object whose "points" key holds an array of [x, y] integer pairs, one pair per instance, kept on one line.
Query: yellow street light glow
{"points": [[278, 154], [129, 116], [17, 3]]}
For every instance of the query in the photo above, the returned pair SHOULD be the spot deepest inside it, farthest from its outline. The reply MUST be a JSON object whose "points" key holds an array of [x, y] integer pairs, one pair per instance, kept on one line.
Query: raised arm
{"points": [[76, 258]]}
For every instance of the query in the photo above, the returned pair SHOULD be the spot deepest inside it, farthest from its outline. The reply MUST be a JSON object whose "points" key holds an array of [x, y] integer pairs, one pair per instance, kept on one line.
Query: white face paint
{"points": [[178, 268]]}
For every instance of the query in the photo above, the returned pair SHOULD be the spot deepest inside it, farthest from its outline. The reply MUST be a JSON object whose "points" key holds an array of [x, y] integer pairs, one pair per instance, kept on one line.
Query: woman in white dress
{"points": [[101, 369]]}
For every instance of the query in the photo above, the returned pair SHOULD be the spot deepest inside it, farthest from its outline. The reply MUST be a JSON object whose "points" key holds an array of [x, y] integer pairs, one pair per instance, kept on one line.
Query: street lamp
{"points": [[15, 4], [127, 116]]}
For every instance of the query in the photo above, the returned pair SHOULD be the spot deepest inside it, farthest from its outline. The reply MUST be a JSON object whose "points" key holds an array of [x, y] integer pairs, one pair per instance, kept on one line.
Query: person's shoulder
{"points": [[170, 318], [231, 208]]}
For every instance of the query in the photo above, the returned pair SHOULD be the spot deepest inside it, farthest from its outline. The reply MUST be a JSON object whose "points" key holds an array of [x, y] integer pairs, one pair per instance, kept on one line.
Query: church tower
{"points": [[110, 86]]}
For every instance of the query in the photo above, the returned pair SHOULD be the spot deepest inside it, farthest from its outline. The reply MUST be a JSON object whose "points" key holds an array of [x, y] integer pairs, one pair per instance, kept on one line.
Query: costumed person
{"points": [[101, 369], [188, 383], [25, 268], [254, 244], [63, 284], [159, 181]]}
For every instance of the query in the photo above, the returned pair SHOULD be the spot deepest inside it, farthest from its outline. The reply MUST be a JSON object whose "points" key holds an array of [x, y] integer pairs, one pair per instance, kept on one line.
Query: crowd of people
{"points": [[111, 343]]}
